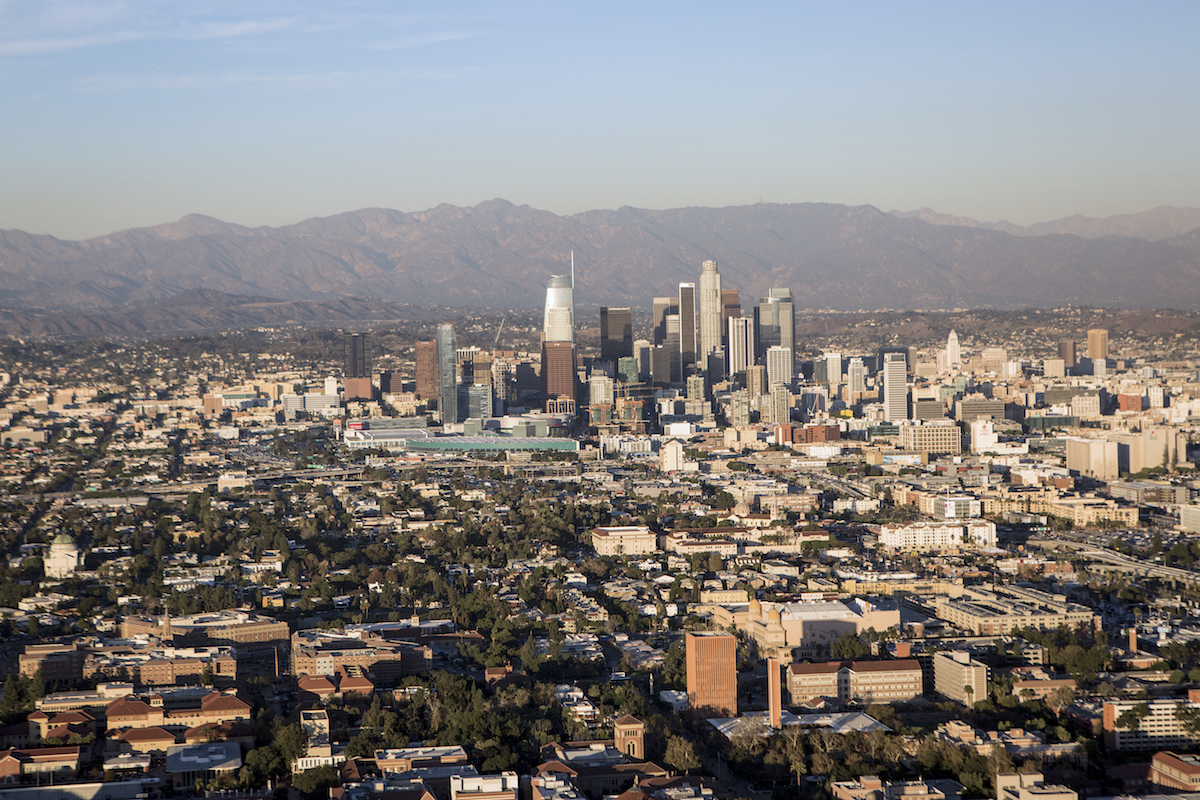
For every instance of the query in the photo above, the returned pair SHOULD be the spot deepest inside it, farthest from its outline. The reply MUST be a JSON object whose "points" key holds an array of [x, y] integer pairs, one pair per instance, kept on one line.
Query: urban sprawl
{"points": [[707, 562]]}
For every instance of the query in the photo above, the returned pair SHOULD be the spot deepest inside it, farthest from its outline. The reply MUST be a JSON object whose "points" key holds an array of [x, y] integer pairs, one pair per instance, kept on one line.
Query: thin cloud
{"points": [[423, 39], [200, 31], [221, 80]]}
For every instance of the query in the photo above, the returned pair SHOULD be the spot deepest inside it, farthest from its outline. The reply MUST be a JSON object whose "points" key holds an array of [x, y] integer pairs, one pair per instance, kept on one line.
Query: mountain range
{"points": [[497, 254]]}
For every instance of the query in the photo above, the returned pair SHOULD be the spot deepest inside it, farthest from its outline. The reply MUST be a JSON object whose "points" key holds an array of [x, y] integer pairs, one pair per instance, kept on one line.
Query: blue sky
{"points": [[122, 114]]}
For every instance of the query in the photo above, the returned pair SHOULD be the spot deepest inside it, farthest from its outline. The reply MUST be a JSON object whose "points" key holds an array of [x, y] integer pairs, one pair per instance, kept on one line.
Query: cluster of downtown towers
{"points": [[698, 334]]}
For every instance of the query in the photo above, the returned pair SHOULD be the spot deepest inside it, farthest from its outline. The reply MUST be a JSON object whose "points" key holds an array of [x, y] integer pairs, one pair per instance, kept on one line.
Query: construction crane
{"points": [[499, 331]]}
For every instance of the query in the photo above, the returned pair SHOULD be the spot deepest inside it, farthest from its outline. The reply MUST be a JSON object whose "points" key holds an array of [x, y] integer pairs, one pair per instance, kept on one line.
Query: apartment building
{"points": [[1145, 725]]}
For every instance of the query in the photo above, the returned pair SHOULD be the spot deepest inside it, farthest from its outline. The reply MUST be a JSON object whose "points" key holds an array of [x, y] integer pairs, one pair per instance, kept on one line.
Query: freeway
{"points": [[1122, 562]]}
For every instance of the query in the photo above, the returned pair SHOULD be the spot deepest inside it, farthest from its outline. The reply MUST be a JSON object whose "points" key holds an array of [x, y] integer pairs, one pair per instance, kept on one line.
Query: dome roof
{"points": [[63, 538], [755, 607], [774, 616]]}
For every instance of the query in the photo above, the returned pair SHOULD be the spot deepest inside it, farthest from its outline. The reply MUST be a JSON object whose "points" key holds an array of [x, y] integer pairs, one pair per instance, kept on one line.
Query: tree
{"points": [[314, 783], [681, 754], [848, 647]]}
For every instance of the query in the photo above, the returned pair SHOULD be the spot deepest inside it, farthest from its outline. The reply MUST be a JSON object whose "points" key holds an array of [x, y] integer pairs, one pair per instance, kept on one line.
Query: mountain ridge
{"points": [[500, 254]]}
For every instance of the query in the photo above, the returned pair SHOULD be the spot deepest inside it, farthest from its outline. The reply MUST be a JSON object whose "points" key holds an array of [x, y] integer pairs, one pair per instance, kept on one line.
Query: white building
{"points": [[628, 540], [923, 536]]}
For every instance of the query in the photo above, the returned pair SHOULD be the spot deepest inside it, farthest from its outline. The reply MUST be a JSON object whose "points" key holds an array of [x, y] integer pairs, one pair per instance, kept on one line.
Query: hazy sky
{"points": [[120, 114]]}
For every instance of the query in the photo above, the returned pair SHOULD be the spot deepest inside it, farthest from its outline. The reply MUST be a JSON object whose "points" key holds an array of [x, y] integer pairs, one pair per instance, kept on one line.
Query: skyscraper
{"points": [[731, 306], [354, 355], [710, 310], [857, 375], [427, 370], [787, 318], [779, 365], [687, 327], [833, 369], [766, 324], [447, 379], [953, 354], [616, 333], [558, 371], [1098, 344], [712, 672], [1066, 351], [559, 323], [895, 387], [671, 342], [658, 317], [741, 346]]}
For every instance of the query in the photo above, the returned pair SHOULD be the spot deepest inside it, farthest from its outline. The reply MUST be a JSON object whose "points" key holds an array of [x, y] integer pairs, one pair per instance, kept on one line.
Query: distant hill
{"points": [[1155, 225], [205, 310], [497, 254]]}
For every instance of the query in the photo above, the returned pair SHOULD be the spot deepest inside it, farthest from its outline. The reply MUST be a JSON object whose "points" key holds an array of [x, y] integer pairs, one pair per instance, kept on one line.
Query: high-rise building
{"points": [[1098, 344], [354, 355], [857, 375], [641, 354], [559, 323], [779, 365], [953, 353], [687, 327], [1066, 351], [895, 387], [447, 374], [427, 370], [741, 346], [766, 324], [787, 317], [558, 371], [480, 404], [833, 369], [731, 306], [712, 672], [710, 310], [756, 380], [671, 342], [616, 333], [658, 317]]}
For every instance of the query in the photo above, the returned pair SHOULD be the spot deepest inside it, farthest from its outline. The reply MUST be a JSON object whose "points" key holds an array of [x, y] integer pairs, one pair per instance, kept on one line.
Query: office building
{"points": [[616, 333], [558, 371], [559, 321], [1066, 351], [780, 367], [712, 672], [731, 306], [641, 354], [628, 540], [427, 370], [940, 436], [710, 311], [741, 347], [686, 308], [1098, 344], [756, 380], [447, 374], [895, 387], [833, 369], [504, 383], [480, 404], [658, 316], [354, 355], [856, 374], [674, 349]]}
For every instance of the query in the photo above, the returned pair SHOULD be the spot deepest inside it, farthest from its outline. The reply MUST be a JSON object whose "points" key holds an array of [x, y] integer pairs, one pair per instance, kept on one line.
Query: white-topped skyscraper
{"points": [[559, 322], [710, 311], [953, 354]]}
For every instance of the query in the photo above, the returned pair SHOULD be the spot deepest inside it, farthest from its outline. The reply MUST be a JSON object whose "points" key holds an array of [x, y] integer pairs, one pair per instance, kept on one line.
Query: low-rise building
{"points": [[894, 681]]}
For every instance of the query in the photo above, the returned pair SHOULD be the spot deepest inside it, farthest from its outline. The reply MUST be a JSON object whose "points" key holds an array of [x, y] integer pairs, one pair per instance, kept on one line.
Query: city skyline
{"points": [[125, 117]]}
